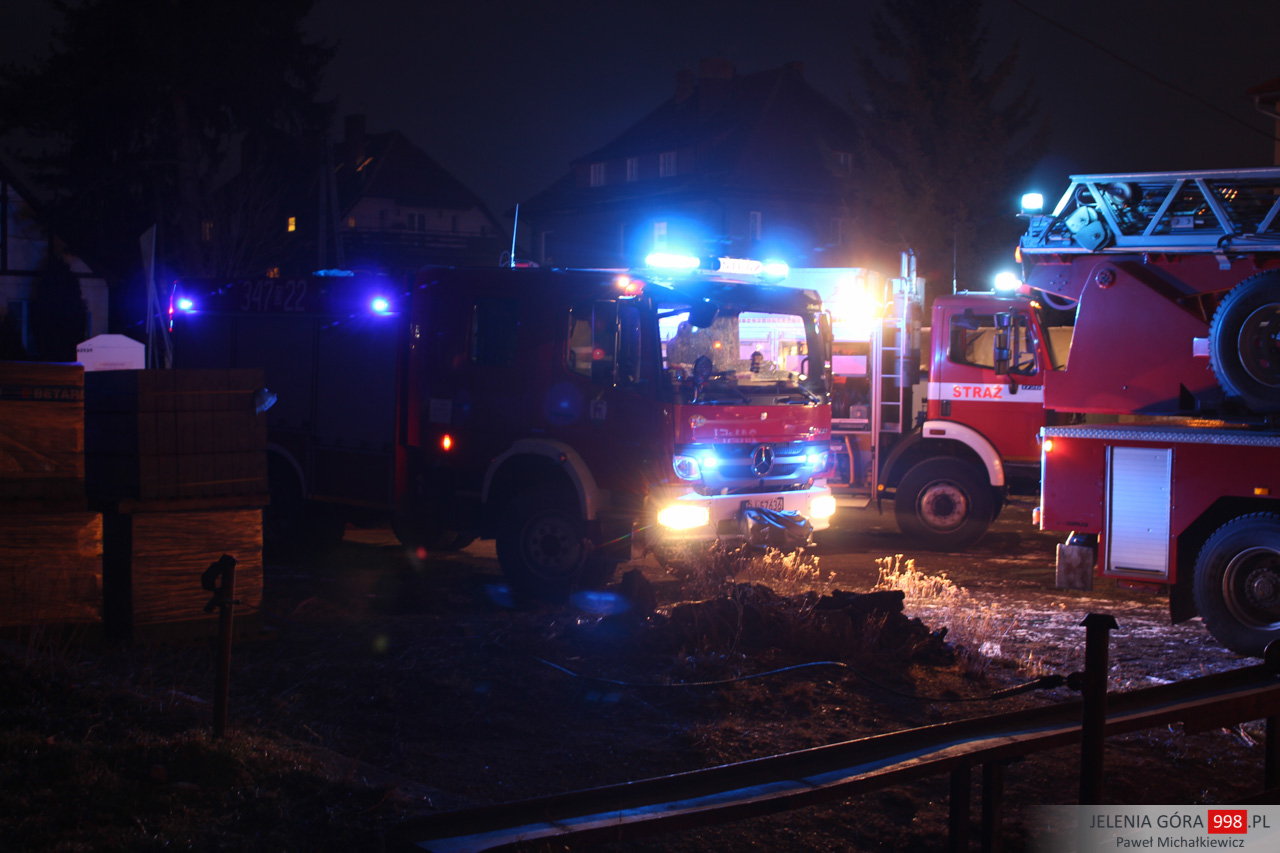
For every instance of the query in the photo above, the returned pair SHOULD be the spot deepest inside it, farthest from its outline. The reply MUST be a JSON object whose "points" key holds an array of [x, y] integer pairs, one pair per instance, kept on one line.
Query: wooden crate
{"points": [[153, 561], [164, 434], [41, 433], [50, 569]]}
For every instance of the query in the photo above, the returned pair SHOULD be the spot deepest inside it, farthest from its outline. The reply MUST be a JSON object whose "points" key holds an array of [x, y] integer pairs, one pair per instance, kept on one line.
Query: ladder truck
{"points": [[949, 443], [1175, 282]]}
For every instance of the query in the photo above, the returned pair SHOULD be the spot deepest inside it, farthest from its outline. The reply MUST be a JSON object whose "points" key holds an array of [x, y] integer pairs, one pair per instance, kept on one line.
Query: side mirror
{"points": [[702, 315], [1000, 346]]}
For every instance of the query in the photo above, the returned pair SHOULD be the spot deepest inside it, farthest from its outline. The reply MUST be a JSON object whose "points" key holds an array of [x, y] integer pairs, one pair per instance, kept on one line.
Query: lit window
{"points": [[274, 272], [666, 164], [659, 235], [206, 230], [755, 223], [351, 222], [633, 168], [293, 224], [597, 174]]}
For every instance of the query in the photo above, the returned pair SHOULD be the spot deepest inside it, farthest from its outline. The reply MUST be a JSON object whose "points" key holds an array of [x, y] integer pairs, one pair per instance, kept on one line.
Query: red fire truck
{"points": [[1175, 279], [949, 460], [566, 413]]}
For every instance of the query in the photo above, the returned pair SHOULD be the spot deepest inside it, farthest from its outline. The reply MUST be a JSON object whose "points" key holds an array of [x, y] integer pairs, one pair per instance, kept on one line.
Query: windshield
{"points": [[742, 357]]}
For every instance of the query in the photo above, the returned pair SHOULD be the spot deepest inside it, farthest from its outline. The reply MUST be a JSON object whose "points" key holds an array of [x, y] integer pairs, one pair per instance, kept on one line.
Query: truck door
{"points": [[1008, 406], [606, 403]]}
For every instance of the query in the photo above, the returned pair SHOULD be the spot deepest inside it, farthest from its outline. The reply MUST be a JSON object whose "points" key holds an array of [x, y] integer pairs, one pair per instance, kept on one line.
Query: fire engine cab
{"points": [[578, 417]]}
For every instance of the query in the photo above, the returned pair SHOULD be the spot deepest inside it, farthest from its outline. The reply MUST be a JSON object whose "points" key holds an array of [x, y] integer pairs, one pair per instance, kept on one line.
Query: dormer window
{"points": [[633, 169], [667, 164], [597, 174]]}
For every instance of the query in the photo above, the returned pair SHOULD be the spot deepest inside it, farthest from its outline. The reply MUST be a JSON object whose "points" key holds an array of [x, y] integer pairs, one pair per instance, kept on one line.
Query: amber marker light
{"points": [[1261, 491], [1048, 445], [446, 442]]}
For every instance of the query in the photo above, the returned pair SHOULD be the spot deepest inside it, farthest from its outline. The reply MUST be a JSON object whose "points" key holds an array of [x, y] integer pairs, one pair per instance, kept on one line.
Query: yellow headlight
{"points": [[823, 506], [684, 517]]}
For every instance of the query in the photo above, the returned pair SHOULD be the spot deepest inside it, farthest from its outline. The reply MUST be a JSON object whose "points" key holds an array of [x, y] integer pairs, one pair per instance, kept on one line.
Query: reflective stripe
{"points": [[978, 392]]}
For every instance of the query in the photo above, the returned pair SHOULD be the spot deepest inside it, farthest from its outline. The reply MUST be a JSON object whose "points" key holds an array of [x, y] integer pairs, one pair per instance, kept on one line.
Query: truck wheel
{"points": [[541, 543], [943, 504], [1237, 583], [1244, 342]]}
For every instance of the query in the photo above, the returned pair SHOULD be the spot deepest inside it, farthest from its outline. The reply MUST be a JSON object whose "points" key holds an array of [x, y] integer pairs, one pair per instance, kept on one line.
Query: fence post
{"points": [[958, 810], [1097, 641]]}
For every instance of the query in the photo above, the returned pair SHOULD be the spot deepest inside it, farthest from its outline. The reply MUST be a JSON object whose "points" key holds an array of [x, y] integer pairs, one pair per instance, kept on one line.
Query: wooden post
{"points": [[224, 599]]}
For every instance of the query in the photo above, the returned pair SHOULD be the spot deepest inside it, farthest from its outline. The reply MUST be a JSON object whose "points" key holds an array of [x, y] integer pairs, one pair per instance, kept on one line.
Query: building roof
{"points": [[388, 165], [765, 132]]}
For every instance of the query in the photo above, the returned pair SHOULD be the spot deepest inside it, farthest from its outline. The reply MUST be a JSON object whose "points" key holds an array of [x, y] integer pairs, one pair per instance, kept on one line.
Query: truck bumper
{"points": [[729, 519]]}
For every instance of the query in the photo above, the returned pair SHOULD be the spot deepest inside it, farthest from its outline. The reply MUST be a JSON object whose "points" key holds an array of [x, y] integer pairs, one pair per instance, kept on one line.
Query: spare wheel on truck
{"points": [[1244, 342]]}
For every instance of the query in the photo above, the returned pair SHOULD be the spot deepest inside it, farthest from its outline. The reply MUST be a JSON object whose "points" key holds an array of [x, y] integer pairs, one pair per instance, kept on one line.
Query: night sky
{"points": [[505, 95]]}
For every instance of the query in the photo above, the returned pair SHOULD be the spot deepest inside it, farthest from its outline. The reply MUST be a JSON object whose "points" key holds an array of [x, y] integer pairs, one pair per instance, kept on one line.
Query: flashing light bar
{"points": [[1007, 282], [185, 304], [672, 261], [380, 305], [741, 266], [773, 270]]}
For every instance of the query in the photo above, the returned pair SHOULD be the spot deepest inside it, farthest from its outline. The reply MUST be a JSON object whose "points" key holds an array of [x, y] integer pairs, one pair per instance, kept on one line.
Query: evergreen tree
{"points": [[140, 105], [59, 316], [944, 144]]}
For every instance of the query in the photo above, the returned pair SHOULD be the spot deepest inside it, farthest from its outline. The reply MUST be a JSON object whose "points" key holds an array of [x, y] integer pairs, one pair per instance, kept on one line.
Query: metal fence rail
{"points": [[837, 771]]}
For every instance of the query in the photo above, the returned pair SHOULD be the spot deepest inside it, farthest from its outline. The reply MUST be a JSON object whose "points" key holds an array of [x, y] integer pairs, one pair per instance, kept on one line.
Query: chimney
{"points": [[353, 141], [715, 77], [794, 69]]}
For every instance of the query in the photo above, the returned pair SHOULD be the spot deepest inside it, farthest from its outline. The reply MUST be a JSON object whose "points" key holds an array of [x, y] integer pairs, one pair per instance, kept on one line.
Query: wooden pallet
{"points": [[41, 431], [50, 569], [164, 434], [153, 561]]}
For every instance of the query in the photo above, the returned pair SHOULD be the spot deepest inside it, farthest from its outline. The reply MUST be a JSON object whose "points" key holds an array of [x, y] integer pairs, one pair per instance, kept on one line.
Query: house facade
{"points": [[400, 210], [747, 165]]}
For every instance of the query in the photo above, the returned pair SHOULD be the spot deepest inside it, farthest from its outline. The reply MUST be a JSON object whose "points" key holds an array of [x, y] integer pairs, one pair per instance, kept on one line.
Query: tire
{"points": [[1244, 342], [541, 543], [944, 504], [1237, 583]]}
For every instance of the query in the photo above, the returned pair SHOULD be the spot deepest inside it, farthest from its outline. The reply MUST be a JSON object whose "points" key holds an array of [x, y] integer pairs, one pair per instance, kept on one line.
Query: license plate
{"points": [[767, 503]]}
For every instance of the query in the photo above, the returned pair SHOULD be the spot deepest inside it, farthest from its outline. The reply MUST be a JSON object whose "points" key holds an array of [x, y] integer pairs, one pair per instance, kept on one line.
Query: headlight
{"points": [[684, 517], [823, 506], [686, 468]]}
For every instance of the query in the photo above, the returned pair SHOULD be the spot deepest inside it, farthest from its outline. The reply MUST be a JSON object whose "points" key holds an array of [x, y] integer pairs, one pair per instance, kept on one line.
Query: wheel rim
{"points": [[552, 547], [943, 506], [1251, 588], [1259, 345]]}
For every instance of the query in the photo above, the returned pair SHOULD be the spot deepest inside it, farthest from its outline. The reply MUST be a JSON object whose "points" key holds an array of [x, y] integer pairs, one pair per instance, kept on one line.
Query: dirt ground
{"points": [[400, 687]]}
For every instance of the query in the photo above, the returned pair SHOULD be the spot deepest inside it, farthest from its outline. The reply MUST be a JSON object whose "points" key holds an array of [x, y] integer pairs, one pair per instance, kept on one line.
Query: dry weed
{"points": [[715, 570], [978, 630]]}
